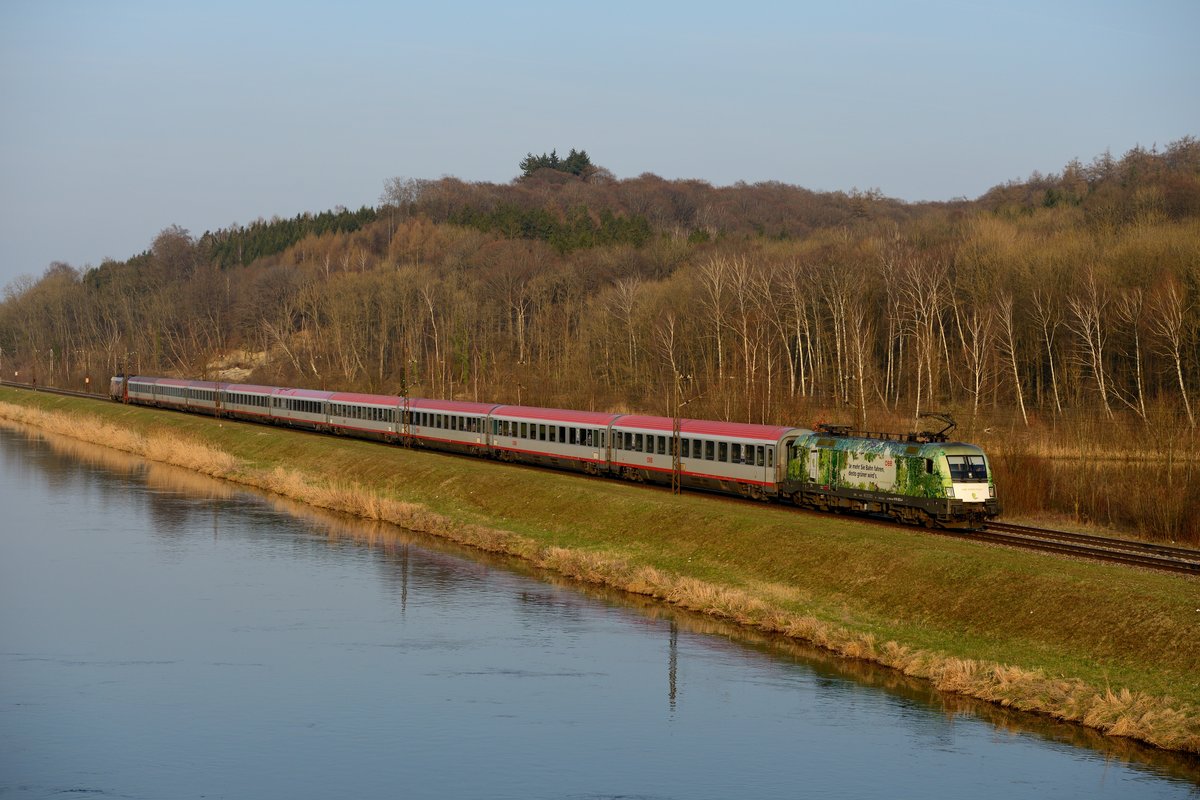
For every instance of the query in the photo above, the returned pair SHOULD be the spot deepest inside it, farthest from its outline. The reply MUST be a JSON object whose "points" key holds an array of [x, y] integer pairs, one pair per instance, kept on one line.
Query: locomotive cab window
{"points": [[967, 468]]}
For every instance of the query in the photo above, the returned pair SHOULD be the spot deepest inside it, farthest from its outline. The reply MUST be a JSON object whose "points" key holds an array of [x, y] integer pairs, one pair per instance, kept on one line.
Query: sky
{"points": [[121, 118]]}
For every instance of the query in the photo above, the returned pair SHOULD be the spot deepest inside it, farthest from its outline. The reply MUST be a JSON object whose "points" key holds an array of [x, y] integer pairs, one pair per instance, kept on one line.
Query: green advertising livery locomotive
{"points": [[915, 478], [920, 478]]}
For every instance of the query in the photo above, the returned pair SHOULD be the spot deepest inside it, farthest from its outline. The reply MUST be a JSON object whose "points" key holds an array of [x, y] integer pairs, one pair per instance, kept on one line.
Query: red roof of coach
{"points": [[704, 427], [561, 415]]}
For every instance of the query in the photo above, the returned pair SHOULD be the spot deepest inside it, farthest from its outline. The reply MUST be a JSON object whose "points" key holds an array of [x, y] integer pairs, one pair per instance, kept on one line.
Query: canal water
{"points": [[167, 636]]}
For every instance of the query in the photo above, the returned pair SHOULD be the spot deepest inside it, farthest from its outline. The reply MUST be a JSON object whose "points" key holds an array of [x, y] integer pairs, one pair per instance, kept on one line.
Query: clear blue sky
{"points": [[121, 118]]}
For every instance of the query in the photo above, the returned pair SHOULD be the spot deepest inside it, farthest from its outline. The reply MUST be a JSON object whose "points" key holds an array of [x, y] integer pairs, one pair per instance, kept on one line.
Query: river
{"points": [[163, 635]]}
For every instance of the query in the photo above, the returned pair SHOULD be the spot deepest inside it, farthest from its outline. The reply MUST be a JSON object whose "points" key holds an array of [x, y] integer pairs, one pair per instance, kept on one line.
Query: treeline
{"points": [[577, 162], [1040, 325], [1143, 184], [678, 208], [243, 245], [578, 229]]}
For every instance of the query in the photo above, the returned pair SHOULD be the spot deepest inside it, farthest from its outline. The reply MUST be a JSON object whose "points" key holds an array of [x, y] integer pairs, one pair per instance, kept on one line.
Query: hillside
{"points": [[1054, 316]]}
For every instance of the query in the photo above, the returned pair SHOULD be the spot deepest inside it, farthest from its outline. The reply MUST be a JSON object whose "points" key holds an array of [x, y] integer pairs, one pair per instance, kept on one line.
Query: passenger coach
{"points": [[552, 437], [730, 457]]}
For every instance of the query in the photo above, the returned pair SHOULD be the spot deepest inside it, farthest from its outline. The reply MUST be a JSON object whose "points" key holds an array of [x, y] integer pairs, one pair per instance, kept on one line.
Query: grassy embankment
{"points": [[1113, 648]]}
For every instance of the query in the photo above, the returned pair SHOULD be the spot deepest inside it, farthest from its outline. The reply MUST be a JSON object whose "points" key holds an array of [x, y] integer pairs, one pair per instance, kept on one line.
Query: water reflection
{"points": [[442, 576]]}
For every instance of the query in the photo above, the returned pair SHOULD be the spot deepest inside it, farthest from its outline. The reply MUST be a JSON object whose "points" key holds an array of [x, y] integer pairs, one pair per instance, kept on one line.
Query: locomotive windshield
{"points": [[967, 468]]}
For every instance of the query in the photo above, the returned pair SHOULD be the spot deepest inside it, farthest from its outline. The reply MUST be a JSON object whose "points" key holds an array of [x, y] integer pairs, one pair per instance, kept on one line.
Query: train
{"points": [[916, 478]]}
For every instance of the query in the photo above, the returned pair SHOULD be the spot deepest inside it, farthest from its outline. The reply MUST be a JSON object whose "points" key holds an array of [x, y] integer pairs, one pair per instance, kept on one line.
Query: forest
{"points": [[1055, 317]]}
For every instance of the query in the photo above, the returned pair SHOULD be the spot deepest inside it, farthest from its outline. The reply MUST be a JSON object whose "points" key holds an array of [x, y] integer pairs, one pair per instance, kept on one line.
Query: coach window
{"points": [[723, 451], [762, 456], [697, 449], [562, 434], [736, 455], [553, 433], [770, 456]]}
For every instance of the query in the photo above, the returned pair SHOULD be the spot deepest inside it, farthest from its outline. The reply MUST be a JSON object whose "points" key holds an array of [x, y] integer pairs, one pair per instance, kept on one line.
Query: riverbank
{"points": [[1109, 647]]}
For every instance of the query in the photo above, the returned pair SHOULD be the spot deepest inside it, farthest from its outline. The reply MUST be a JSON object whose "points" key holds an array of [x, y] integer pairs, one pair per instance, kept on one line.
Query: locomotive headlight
{"points": [[991, 491]]}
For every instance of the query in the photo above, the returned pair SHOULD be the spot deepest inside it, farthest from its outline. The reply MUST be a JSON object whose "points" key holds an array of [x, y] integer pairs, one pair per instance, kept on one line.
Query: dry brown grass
{"points": [[167, 448], [1160, 721]]}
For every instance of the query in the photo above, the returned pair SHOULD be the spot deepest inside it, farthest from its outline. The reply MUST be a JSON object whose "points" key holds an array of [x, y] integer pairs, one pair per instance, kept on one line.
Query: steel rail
{"points": [[1103, 548]]}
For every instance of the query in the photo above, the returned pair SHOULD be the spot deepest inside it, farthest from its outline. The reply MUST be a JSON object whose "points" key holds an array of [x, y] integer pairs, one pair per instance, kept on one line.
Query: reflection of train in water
{"points": [[918, 478]]}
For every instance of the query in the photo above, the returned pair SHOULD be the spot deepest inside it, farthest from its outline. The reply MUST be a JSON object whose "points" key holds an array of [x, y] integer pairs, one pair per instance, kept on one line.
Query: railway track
{"points": [[1102, 548], [54, 390]]}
